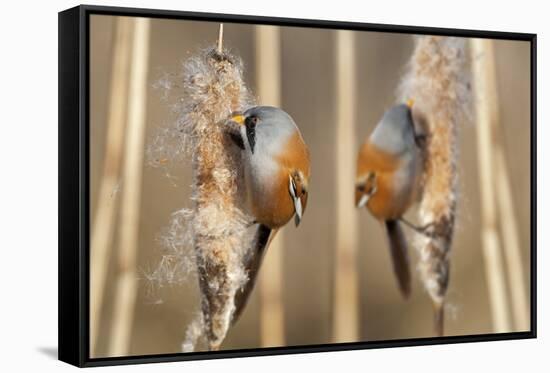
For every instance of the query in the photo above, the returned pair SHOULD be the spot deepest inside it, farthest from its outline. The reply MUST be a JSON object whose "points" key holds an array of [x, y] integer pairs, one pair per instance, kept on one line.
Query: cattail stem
{"points": [[268, 61], [220, 39], [126, 280], [103, 222], [483, 65], [439, 318], [346, 301]]}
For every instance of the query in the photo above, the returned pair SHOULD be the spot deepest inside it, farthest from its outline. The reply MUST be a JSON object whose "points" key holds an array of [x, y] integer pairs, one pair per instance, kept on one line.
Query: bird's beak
{"points": [[410, 103], [238, 118], [363, 200], [298, 211]]}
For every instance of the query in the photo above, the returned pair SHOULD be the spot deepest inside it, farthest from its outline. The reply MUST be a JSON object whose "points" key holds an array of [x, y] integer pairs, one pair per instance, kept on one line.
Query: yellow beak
{"points": [[410, 103], [238, 118]]}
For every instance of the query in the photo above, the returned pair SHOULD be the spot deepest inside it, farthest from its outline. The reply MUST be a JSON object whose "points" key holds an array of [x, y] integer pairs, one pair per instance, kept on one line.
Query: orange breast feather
{"points": [[280, 208], [296, 155], [383, 204]]}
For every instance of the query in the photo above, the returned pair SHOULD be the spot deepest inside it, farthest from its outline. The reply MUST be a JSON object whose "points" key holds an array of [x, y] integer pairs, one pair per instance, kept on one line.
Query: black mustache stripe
{"points": [[251, 134], [237, 139]]}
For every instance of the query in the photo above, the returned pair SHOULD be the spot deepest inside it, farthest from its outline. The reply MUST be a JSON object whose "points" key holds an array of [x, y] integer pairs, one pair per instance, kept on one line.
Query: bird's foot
{"points": [[251, 223], [421, 140], [426, 230], [231, 128]]}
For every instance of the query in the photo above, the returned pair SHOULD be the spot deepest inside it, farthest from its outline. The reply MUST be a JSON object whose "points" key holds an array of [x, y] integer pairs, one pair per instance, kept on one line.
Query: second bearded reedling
{"points": [[277, 169], [387, 183]]}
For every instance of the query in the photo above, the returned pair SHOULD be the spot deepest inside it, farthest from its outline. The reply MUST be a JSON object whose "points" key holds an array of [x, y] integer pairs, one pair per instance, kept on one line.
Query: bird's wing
{"points": [[400, 257], [252, 262]]}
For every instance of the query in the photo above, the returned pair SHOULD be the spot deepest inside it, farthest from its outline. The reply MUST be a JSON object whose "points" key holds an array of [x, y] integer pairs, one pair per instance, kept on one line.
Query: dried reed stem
{"points": [[509, 229], [506, 213], [483, 66], [272, 322], [438, 83], [126, 276], [346, 302], [213, 88], [220, 39], [103, 222]]}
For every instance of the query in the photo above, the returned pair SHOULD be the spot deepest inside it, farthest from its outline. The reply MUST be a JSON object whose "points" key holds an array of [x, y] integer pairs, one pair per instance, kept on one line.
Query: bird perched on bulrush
{"points": [[387, 183], [277, 169]]}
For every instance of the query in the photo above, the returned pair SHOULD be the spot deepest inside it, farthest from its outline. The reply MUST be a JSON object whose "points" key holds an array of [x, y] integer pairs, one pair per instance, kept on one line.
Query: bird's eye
{"points": [[254, 120]]}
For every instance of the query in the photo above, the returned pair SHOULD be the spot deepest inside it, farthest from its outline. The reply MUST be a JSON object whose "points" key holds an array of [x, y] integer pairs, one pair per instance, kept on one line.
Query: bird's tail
{"points": [[400, 257], [252, 262]]}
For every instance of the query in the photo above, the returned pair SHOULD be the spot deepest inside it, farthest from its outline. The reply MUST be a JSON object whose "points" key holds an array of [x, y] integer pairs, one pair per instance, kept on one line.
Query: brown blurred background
{"points": [[308, 94]]}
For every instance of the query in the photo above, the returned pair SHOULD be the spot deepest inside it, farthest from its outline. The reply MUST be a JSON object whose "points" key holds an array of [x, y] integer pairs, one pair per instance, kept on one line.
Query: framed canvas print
{"points": [[233, 186]]}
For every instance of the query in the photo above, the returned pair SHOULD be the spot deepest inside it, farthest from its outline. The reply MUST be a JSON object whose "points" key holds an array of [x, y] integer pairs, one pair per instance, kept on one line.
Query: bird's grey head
{"points": [[266, 129], [395, 133]]}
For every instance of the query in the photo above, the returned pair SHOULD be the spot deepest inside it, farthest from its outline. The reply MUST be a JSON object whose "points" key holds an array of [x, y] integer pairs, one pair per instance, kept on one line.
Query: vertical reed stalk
{"points": [[509, 229], [268, 78], [103, 221], [346, 302], [126, 280], [483, 66]]}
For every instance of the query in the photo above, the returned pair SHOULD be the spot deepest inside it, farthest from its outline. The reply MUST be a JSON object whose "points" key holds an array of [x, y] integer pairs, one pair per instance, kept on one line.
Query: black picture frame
{"points": [[74, 187]]}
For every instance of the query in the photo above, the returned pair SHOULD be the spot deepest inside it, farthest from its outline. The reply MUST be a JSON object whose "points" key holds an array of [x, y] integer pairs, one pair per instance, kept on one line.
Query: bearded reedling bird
{"points": [[388, 170], [276, 165]]}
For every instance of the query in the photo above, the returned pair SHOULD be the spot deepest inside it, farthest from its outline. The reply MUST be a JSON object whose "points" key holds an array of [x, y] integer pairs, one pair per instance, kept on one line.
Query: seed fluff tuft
{"points": [[438, 81], [212, 235]]}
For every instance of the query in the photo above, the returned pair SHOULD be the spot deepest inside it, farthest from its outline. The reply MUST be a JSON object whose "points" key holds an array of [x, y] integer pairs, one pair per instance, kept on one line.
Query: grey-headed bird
{"points": [[388, 170], [277, 169]]}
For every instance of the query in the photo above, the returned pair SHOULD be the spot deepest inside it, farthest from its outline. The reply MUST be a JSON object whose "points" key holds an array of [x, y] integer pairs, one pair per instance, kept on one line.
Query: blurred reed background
{"points": [[332, 277]]}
